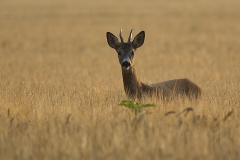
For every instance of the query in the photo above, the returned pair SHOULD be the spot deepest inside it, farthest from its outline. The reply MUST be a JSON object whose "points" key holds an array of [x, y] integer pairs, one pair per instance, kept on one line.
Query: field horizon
{"points": [[61, 84]]}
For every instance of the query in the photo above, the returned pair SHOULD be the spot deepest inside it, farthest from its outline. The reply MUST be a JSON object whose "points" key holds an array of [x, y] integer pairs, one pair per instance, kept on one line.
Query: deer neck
{"points": [[132, 84]]}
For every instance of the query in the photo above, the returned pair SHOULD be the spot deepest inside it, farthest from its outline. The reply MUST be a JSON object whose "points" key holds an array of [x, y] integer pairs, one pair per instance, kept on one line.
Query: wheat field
{"points": [[61, 84]]}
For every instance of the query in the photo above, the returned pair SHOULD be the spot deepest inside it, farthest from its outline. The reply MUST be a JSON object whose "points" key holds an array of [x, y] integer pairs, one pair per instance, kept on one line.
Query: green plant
{"points": [[136, 107]]}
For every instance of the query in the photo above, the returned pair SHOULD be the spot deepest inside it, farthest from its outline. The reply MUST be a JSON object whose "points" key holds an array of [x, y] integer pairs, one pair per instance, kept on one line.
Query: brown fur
{"points": [[134, 88]]}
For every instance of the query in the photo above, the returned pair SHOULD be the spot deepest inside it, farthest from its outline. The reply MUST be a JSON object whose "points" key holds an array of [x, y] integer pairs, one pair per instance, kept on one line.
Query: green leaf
{"points": [[136, 107]]}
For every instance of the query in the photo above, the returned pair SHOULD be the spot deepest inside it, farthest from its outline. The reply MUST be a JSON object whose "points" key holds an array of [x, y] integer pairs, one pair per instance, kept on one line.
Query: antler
{"points": [[130, 36], [121, 35]]}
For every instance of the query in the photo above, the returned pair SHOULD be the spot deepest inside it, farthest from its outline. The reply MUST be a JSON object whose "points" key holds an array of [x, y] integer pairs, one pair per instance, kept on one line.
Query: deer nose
{"points": [[126, 64]]}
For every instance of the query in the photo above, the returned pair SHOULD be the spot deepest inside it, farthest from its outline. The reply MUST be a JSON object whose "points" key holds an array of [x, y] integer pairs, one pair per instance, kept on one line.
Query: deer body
{"points": [[134, 88]]}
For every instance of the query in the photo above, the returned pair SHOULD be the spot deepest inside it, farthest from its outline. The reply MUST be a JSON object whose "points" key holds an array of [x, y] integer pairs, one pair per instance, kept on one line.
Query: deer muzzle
{"points": [[126, 64]]}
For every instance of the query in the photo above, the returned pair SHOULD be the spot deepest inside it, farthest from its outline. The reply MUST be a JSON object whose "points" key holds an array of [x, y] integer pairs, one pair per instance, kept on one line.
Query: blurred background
{"points": [[43, 32]]}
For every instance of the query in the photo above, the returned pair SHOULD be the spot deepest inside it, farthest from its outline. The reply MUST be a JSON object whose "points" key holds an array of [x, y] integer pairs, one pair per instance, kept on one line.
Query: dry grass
{"points": [[60, 83]]}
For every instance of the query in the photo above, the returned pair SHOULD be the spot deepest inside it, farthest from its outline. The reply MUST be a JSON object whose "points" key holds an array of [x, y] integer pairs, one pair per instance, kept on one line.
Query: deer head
{"points": [[126, 50]]}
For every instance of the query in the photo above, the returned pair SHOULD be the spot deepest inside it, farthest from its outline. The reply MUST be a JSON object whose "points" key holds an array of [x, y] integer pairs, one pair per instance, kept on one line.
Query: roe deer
{"points": [[134, 88]]}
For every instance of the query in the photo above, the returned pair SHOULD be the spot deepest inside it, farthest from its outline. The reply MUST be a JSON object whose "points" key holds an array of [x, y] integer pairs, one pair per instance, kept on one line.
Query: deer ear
{"points": [[138, 40], [112, 40]]}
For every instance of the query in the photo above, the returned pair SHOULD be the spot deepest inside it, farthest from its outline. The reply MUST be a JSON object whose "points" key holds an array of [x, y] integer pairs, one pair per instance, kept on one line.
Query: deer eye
{"points": [[119, 53], [132, 53]]}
